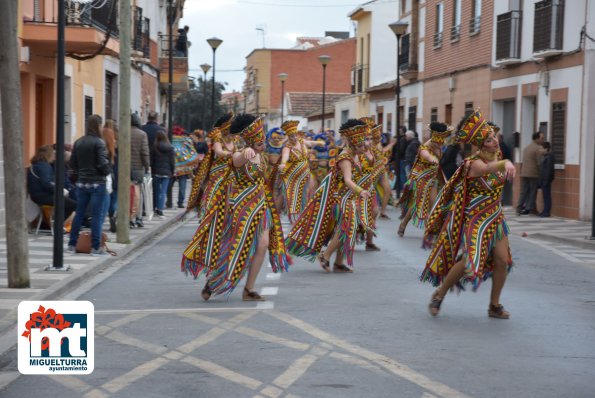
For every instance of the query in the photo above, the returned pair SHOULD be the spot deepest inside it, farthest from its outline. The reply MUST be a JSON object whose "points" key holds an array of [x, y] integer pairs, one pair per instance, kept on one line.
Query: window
{"points": [[344, 116], [412, 119], [389, 122], [508, 35], [110, 96], [548, 34], [404, 53], [558, 138], [439, 25], [88, 107], [468, 107], [434, 115], [475, 23], [455, 31]]}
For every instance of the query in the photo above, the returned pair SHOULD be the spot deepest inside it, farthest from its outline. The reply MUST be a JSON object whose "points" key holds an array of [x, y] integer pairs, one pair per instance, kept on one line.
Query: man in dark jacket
{"points": [[90, 165], [152, 128], [546, 176], [411, 151], [182, 42], [140, 164]]}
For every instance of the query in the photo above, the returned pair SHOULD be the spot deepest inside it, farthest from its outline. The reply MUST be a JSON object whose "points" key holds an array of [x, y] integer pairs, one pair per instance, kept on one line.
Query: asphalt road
{"points": [[366, 334]]}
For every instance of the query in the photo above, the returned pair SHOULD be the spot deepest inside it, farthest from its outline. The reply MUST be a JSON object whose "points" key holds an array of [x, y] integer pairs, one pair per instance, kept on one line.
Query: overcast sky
{"points": [[236, 23]]}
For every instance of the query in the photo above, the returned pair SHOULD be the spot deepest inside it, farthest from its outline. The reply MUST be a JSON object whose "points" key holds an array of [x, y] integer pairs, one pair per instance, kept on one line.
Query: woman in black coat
{"points": [[162, 169], [40, 180]]}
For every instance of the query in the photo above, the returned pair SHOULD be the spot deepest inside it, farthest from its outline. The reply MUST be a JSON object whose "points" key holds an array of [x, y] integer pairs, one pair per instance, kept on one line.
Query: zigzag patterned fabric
{"points": [[251, 211], [468, 216], [333, 206], [295, 181], [416, 192], [198, 181]]}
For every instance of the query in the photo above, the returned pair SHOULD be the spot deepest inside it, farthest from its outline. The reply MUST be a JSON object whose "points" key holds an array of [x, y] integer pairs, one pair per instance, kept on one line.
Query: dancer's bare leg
{"points": [[258, 259]]}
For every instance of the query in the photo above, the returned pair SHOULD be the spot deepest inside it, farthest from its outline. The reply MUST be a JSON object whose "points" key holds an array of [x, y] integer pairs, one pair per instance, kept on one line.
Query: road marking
{"points": [[7, 377], [269, 291], [269, 338], [265, 305], [135, 374], [223, 372], [179, 310], [205, 338], [74, 383], [296, 370], [126, 320], [271, 276], [357, 361], [395, 367], [119, 337]]}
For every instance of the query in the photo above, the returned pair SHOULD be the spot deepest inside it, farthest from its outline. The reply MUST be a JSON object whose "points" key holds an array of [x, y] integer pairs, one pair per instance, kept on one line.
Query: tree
{"points": [[189, 106], [12, 137]]}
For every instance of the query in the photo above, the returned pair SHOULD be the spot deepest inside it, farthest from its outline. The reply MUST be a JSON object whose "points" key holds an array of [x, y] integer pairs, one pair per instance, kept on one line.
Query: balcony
{"points": [[508, 38], [548, 34], [86, 30], [141, 34], [455, 33], [407, 65], [180, 68], [437, 39], [474, 26]]}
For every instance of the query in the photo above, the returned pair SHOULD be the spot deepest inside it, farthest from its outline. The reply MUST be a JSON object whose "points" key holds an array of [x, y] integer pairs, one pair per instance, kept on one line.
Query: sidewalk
{"points": [[551, 229], [49, 285]]}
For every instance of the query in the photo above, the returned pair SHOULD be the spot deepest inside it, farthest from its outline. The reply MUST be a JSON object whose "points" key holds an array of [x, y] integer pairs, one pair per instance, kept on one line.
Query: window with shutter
{"points": [[558, 137]]}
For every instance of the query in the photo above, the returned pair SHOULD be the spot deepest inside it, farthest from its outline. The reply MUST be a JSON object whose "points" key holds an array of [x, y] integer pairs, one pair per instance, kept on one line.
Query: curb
{"points": [[583, 244], [8, 323]]}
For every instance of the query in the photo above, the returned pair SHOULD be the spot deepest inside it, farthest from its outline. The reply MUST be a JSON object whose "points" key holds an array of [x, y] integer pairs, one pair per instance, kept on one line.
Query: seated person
{"points": [[40, 180]]}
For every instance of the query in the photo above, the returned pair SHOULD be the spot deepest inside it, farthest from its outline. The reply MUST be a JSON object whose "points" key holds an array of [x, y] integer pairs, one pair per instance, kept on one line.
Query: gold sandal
{"points": [[435, 303], [498, 311], [342, 268], [324, 263], [206, 292], [248, 295]]}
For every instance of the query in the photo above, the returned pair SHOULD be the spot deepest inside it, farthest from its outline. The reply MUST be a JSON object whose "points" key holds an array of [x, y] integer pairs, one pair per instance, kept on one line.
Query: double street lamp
{"points": [[205, 68], [282, 77], [324, 60], [214, 42], [399, 28]]}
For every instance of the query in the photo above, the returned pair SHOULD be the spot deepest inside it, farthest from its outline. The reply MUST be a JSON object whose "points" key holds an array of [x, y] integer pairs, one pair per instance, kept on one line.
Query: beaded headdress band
{"points": [[290, 127], [475, 129], [254, 133], [355, 135]]}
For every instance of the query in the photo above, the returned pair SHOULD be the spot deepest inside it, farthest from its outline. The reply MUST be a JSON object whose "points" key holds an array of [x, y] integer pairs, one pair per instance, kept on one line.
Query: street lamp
{"points": [[214, 43], [324, 60], [258, 87], [399, 28], [205, 68], [282, 77]]}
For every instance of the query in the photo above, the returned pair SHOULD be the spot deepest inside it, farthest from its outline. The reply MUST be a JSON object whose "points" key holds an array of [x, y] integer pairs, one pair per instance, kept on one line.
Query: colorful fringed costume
{"points": [[417, 190], [295, 180], [227, 237], [468, 216], [334, 208]]}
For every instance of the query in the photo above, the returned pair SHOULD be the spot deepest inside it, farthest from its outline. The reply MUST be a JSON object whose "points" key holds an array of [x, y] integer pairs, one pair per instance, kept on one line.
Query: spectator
{"points": [[200, 144], [506, 154], [111, 203], [398, 158], [152, 128], [546, 176], [182, 42], [186, 161], [451, 159], [140, 164], [162, 168], [530, 175], [90, 165], [411, 151], [40, 181]]}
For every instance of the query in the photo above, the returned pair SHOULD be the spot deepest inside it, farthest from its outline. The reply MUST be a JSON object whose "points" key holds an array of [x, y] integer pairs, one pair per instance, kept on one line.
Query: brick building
{"points": [[262, 86]]}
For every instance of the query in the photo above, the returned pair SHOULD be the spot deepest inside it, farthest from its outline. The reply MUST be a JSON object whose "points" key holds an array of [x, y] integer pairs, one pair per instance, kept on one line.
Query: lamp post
{"points": [[258, 87], [399, 28], [214, 43], [205, 68], [324, 60], [282, 77]]}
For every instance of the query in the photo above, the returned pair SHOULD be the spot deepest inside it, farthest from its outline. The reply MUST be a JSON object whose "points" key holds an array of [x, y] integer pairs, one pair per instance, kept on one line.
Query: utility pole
{"points": [[123, 220], [14, 175], [170, 106]]}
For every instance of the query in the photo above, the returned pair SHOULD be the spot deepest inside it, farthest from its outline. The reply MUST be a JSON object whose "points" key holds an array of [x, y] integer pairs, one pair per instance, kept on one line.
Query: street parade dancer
{"points": [[239, 227], [339, 207], [295, 170], [214, 168], [468, 217], [425, 180], [276, 139]]}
